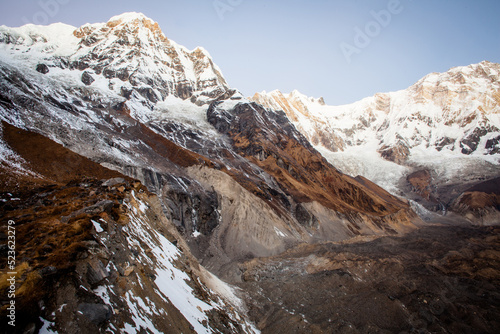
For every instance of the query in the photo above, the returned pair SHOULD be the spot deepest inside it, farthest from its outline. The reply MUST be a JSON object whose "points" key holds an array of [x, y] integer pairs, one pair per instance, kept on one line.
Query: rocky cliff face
{"points": [[297, 108], [304, 197], [268, 140], [97, 256], [446, 123], [480, 203]]}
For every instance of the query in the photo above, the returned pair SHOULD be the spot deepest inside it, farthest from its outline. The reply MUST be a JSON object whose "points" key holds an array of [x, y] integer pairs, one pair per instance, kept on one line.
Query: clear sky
{"points": [[343, 50]]}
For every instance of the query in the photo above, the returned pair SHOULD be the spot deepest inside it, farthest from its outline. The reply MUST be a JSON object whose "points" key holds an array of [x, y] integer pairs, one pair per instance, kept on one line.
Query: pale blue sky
{"points": [[313, 46]]}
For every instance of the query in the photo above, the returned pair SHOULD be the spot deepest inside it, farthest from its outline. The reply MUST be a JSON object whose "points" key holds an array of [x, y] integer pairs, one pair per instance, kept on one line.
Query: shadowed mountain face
{"points": [[97, 119]]}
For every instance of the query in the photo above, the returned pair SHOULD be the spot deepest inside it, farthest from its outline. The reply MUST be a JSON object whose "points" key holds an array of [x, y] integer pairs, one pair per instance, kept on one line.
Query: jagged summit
{"points": [[132, 24], [130, 16], [484, 75], [130, 48]]}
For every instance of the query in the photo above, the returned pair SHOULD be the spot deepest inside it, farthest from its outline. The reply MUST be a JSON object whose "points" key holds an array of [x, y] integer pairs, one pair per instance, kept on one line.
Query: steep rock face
{"points": [[269, 141], [295, 105], [447, 123], [96, 256], [247, 226]]}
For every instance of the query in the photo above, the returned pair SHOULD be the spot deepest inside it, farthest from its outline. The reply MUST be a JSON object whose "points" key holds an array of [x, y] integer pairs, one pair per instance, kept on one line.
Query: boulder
{"points": [[96, 271], [42, 68], [95, 313], [87, 78], [113, 182]]}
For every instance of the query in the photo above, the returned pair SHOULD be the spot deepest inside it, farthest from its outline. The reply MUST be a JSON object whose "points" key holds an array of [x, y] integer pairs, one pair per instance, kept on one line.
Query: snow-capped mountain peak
{"points": [[127, 25], [129, 54], [129, 17], [454, 114]]}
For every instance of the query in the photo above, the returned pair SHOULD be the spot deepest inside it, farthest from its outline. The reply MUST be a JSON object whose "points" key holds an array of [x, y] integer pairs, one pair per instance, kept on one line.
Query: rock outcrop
{"points": [[481, 203], [100, 256]]}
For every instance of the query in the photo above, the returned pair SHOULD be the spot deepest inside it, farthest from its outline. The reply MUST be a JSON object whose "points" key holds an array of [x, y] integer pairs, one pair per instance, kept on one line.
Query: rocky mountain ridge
{"points": [[130, 50]]}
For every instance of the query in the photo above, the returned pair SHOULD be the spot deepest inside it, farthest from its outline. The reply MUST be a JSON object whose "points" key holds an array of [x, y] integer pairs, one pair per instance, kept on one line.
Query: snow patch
{"points": [[366, 161], [46, 327], [278, 232], [171, 282]]}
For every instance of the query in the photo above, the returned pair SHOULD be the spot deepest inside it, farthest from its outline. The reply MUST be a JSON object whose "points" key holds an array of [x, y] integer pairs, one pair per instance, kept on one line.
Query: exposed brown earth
{"points": [[421, 182], [47, 248], [480, 203], [54, 163]]}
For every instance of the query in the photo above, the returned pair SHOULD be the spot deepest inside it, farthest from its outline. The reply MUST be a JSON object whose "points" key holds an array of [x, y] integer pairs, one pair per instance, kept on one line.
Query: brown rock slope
{"points": [[89, 254], [270, 141], [50, 162], [480, 203]]}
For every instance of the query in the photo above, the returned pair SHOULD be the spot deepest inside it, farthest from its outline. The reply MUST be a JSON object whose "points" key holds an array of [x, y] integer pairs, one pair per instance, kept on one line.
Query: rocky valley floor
{"points": [[438, 279]]}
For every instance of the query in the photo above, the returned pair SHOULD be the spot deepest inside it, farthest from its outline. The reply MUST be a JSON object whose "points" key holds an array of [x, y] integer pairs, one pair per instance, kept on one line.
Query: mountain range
{"points": [[138, 178], [441, 133]]}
